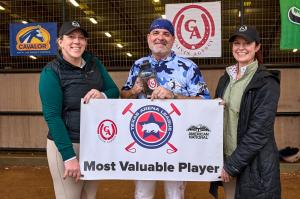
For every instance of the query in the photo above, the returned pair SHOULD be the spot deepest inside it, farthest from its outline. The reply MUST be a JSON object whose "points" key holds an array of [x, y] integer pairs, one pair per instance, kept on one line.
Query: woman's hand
{"points": [[93, 94], [222, 102], [225, 176], [72, 169]]}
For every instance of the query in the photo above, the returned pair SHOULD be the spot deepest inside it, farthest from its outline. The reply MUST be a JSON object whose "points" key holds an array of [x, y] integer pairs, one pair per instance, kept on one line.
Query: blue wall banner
{"points": [[38, 39]]}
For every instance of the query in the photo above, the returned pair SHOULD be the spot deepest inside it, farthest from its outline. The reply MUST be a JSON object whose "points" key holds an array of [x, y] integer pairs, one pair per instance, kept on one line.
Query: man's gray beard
{"points": [[159, 51]]}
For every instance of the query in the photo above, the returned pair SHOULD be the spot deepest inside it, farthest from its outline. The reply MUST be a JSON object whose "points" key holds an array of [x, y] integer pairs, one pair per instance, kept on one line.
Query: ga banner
{"points": [[197, 28], [139, 139], [37, 39], [290, 24]]}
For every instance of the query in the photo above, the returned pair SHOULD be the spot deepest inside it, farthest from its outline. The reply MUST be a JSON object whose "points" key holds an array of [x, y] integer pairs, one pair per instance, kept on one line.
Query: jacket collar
{"points": [[258, 78], [86, 56], [170, 57], [233, 70], [260, 75]]}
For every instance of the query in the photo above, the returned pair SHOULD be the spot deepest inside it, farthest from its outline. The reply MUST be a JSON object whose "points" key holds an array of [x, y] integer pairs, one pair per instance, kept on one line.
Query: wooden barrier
{"points": [[23, 131], [31, 131], [19, 93]]}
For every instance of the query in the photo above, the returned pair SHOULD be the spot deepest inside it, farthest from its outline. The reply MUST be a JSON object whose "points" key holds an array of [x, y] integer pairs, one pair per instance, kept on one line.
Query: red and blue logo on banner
{"points": [[151, 127]]}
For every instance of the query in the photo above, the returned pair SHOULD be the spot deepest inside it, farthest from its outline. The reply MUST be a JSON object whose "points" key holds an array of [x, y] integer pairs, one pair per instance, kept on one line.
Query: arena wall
{"points": [[22, 125]]}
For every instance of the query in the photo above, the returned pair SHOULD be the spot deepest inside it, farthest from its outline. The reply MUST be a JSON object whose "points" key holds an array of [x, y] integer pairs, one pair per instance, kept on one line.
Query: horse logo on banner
{"points": [[33, 38], [294, 15], [151, 127], [30, 34]]}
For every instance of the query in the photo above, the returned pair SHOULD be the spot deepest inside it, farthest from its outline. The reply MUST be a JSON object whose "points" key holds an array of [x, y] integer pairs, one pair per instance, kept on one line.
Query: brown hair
{"points": [[258, 55]]}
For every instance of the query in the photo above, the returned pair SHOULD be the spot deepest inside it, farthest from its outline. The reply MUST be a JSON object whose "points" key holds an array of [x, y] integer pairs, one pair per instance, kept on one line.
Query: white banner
{"points": [[197, 28], [139, 139]]}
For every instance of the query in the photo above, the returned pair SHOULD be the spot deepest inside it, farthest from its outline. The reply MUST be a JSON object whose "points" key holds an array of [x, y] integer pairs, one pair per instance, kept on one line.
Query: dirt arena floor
{"points": [[19, 182]]}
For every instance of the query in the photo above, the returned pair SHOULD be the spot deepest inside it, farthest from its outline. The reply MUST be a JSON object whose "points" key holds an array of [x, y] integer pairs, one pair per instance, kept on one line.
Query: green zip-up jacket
{"points": [[61, 88]]}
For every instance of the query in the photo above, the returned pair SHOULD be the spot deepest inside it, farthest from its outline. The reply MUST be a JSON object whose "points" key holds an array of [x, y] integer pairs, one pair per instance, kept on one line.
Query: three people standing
{"points": [[249, 91]]}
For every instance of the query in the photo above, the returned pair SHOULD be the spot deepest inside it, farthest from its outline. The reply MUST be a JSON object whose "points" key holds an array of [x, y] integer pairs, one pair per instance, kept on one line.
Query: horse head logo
{"points": [[32, 33], [294, 15]]}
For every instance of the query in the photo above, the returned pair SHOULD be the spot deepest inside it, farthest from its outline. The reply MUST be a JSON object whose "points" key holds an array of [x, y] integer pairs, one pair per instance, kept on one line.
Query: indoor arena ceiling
{"points": [[128, 20]]}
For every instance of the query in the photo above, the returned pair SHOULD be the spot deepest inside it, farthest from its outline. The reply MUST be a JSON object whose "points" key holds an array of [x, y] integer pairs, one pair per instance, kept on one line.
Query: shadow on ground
{"points": [[34, 182]]}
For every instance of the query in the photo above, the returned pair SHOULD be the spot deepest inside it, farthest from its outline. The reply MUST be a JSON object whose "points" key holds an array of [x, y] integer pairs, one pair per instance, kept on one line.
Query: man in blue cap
{"points": [[176, 78]]}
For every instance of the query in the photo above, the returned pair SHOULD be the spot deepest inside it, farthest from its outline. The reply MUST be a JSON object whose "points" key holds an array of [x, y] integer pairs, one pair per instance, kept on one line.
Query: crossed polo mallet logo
{"points": [[130, 148]]}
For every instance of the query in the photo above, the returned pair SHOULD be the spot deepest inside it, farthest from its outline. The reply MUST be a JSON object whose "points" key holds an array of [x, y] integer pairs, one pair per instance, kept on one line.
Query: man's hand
{"points": [[72, 169], [162, 93], [137, 87], [134, 91]]}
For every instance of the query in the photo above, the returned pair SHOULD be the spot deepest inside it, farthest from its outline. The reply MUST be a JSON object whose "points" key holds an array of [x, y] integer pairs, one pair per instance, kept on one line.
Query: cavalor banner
{"points": [[140, 139], [290, 24], [38, 39], [197, 28]]}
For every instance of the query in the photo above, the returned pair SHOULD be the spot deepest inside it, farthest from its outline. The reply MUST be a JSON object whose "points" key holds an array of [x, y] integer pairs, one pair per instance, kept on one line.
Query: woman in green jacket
{"points": [[73, 75]]}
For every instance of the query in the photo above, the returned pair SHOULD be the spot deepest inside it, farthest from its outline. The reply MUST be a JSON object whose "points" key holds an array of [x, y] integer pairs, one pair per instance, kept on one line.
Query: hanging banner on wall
{"points": [[151, 140], [197, 28], [38, 39], [290, 24]]}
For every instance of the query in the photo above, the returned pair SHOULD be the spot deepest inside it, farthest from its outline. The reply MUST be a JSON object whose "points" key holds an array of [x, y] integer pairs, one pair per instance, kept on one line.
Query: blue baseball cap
{"points": [[161, 23]]}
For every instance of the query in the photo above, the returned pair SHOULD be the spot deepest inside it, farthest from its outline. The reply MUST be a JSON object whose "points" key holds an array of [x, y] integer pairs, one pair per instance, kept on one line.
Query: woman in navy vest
{"points": [[74, 74]]}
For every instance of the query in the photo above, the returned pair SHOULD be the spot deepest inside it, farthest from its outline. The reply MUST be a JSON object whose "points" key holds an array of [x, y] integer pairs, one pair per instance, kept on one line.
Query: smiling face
{"points": [[73, 45], [160, 42], [244, 51]]}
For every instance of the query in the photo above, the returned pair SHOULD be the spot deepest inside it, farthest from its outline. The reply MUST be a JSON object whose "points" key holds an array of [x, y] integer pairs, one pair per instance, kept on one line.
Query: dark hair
{"points": [[259, 56]]}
